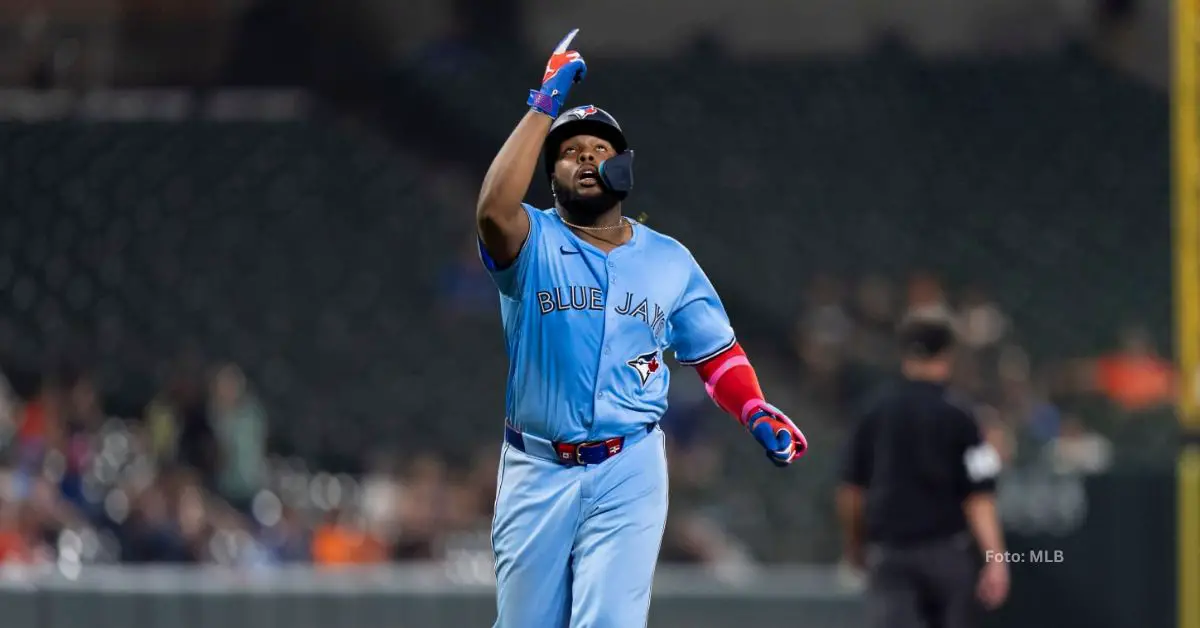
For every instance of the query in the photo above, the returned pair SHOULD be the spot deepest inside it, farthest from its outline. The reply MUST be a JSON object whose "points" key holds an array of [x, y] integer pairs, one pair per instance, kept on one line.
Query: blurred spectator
{"points": [[981, 322], [981, 326], [81, 418], [926, 297], [173, 519], [1135, 376], [1079, 450], [342, 541], [997, 433], [423, 508], [32, 516], [21, 541], [871, 356], [821, 334], [162, 423], [150, 533], [1042, 419], [192, 514], [875, 316], [10, 408], [1023, 402], [39, 424], [285, 537], [184, 413], [473, 494], [970, 373], [240, 424], [381, 498], [461, 502], [81, 413], [1044, 423], [229, 538]]}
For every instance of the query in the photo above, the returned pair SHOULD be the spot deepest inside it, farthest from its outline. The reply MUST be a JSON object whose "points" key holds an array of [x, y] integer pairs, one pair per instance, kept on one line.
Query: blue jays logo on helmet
{"points": [[646, 365], [580, 113]]}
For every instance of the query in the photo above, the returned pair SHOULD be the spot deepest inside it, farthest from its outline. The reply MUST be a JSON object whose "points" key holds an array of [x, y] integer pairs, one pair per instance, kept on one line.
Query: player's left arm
{"points": [[702, 337]]}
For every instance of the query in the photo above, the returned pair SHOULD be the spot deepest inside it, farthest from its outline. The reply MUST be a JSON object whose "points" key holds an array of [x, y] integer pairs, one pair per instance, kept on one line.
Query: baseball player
{"points": [[590, 302]]}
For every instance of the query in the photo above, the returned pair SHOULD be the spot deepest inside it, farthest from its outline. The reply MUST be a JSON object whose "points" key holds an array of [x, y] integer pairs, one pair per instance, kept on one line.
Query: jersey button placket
{"points": [[608, 324], [603, 362]]}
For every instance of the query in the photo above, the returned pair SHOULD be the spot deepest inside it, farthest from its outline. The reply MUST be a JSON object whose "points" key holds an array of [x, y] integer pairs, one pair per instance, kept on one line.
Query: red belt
{"points": [[570, 454]]}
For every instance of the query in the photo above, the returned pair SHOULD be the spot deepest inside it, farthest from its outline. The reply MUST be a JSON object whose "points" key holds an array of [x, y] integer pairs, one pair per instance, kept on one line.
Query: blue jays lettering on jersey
{"points": [[586, 331]]}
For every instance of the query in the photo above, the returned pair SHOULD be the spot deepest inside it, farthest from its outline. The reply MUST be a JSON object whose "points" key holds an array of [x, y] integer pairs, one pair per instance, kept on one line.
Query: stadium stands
{"points": [[337, 270]]}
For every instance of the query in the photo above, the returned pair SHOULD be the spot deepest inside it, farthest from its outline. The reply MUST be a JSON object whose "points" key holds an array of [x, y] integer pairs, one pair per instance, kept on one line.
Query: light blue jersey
{"points": [[586, 331]]}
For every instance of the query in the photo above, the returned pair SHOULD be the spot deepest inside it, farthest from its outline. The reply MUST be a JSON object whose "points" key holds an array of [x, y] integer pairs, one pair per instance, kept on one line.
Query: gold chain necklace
{"points": [[620, 225]]}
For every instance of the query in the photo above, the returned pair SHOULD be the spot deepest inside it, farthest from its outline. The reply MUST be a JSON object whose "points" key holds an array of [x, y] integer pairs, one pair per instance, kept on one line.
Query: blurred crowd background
{"points": [[249, 327]]}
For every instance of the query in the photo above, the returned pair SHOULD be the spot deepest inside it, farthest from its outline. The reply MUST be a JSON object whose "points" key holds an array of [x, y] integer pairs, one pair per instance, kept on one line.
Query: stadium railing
{"points": [[455, 593]]}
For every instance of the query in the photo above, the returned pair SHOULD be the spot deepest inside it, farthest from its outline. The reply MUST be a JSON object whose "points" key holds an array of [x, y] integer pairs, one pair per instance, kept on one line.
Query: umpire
{"points": [[917, 503]]}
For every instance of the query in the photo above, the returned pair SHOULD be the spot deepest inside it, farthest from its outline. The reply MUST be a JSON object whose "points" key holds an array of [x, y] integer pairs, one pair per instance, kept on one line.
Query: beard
{"points": [[586, 209]]}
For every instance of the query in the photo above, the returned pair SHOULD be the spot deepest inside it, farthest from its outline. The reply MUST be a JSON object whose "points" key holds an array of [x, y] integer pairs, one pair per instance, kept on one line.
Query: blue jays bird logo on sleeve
{"points": [[646, 365]]}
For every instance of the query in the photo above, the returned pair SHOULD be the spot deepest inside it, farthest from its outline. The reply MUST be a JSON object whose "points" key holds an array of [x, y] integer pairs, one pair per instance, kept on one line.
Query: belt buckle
{"points": [[579, 451]]}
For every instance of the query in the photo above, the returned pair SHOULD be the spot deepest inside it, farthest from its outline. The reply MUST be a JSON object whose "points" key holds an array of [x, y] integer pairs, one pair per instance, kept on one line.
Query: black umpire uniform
{"points": [[914, 458]]}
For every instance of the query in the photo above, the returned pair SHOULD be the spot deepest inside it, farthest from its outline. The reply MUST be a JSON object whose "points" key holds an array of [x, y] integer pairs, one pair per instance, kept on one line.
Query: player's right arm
{"points": [[501, 220]]}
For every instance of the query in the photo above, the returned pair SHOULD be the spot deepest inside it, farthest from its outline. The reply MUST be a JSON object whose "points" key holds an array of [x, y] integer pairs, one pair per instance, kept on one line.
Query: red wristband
{"points": [[731, 382]]}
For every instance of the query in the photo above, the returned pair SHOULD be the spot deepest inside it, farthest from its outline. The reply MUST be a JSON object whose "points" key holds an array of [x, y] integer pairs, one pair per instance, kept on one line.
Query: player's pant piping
{"points": [[495, 512], [663, 528]]}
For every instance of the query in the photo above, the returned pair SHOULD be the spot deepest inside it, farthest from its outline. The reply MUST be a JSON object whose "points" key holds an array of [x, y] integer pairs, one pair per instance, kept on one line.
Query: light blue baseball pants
{"points": [[576, 546]]}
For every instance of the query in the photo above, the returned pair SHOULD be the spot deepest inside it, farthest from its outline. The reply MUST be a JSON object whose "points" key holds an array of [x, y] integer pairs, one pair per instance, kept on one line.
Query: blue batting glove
{"points": [[564, 69], [782, 440]]}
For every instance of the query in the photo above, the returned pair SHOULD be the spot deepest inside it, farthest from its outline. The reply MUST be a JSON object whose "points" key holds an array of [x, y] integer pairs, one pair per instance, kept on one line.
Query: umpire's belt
{"points": [[573, 454]]}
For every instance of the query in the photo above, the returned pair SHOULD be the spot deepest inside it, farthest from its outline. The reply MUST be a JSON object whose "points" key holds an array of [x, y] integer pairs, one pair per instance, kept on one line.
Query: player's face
{"points": [[577, 170]]}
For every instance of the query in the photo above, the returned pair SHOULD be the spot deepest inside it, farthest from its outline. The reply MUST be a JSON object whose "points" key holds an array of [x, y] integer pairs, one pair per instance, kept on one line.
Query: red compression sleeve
{"points": [[732, 383]]}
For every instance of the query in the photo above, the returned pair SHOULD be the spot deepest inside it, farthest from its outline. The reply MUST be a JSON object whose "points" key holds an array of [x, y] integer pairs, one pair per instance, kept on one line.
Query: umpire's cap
{"points": [[926, 336], [616, 173]]}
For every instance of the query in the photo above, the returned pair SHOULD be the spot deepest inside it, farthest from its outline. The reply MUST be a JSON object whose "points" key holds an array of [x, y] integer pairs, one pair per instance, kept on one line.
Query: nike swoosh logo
{"points": [[564, 251]]}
